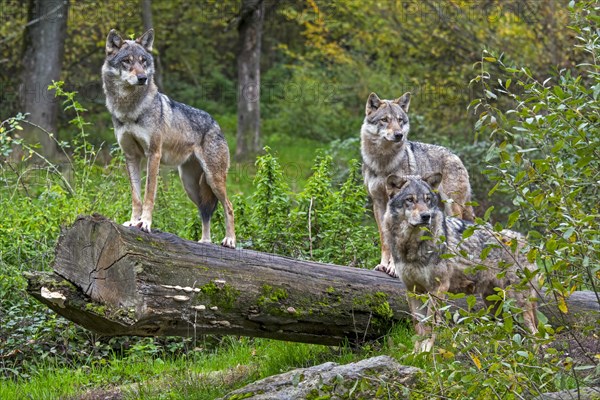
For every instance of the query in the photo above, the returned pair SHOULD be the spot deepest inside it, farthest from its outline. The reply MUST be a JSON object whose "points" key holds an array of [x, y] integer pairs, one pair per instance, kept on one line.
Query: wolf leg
{"points": [[432, 316], [216, 184], [529, 307], [133, 171], [145, 221], [455, 185], [194, 183], [422, 326], [208, 204], [387, 264], [215, 167]]}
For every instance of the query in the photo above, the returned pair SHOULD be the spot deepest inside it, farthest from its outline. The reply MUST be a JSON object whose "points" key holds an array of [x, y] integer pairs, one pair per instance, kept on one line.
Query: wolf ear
{"points": [[403, 101], [434, 180], [147, 39], [373, 103], [113, 42], [393, 184]]}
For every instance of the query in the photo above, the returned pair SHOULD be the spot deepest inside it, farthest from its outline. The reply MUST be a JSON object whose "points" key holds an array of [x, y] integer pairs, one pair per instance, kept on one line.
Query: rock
{"points": [[370, 379], [591, 393]]}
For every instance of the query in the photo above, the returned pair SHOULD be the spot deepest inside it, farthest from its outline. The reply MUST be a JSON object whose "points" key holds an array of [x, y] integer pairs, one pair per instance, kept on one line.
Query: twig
{"points": [[310, 228]]}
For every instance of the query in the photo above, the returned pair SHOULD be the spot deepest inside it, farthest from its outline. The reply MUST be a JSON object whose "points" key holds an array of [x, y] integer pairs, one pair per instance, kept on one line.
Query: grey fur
{"points": [[419, 234], [386, 150]]}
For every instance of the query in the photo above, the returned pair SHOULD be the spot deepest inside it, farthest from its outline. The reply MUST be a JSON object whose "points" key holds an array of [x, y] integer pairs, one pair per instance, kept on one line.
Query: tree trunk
{"points": [[248, 64], [148, 23], [121, 281], [42, 63]]}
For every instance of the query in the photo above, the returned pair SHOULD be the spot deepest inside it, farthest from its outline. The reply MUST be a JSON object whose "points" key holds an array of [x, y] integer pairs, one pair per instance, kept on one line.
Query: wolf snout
{"points": [[142, 79], [398, 136], [426, 218]]}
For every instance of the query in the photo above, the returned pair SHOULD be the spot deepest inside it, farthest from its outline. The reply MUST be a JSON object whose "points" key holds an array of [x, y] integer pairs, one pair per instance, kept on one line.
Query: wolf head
{"points": [[388, 119], [413, 199], [130, 61]]}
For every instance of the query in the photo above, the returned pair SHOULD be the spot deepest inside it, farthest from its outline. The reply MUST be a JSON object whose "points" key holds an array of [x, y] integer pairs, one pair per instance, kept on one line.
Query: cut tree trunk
{"points": [[121, 281]]}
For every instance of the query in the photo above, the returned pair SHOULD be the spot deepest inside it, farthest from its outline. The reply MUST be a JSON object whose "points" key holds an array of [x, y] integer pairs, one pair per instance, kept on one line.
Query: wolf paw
{"points": [[133, 223], [228, 242], [140, 223], [388, 269]]}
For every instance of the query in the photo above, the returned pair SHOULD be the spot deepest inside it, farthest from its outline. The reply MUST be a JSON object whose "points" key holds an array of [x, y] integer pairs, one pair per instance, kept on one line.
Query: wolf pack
{"points": [[420, 192]]}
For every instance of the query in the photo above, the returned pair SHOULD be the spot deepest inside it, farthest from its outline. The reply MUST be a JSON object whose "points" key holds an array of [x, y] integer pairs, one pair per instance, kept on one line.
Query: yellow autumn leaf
{"points": [[476, 361], [562, 305], [445, 354]]}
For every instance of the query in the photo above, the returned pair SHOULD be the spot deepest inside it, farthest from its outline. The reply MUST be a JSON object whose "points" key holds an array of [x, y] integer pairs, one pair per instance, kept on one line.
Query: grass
{"points": [[296, 156], [203, 374]]}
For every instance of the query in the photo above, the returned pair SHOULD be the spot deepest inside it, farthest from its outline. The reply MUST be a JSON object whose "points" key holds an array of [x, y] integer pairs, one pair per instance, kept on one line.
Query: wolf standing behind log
{"points": [[419, 235], [149, 124], [386, 150]]}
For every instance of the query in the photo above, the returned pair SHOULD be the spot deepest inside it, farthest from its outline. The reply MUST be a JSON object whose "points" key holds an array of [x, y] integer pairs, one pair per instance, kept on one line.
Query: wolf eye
{"points": [[409, 201], [384, 120]]}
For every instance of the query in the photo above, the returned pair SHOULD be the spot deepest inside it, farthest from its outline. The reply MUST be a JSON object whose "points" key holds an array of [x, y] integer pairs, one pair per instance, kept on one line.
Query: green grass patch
{"points": [[199, 374]]}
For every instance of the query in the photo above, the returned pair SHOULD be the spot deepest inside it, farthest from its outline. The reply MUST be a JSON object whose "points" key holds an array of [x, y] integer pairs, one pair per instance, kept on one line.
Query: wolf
{"points": [[436, 258], [150, 125], [386, 150]]}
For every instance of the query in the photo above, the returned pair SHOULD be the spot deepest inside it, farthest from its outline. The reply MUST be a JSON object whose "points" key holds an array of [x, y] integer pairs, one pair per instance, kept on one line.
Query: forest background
{"points": [[318, 62]]}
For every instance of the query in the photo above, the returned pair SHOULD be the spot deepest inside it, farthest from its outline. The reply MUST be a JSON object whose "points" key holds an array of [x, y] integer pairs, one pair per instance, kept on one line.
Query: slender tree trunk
{"points": [[147, 20], [43, 53], [248, 64]]}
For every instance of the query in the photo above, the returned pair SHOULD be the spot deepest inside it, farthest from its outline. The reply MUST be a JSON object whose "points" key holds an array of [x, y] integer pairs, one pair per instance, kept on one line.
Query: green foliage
{"points": [[542, 149], [322, 222], [7, 142], [547, 152], [338, 218], [270, 206]]}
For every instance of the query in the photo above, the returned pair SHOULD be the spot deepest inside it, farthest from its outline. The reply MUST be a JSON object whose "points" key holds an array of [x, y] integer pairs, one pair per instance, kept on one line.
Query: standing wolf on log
{"points": [[150, 125]]}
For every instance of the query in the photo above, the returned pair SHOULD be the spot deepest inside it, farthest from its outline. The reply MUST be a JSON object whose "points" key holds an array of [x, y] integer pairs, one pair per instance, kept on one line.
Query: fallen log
{"points": [[120, 281]]}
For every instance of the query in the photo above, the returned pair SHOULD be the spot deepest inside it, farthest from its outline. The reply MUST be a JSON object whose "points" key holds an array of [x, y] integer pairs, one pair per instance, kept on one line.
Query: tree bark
{"points": [[42, 63], [120, 281], [248, 64], [148, 22]]}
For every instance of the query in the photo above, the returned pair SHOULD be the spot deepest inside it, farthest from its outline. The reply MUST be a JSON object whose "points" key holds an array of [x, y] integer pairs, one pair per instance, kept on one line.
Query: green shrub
{"points": [[544, 152]]}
